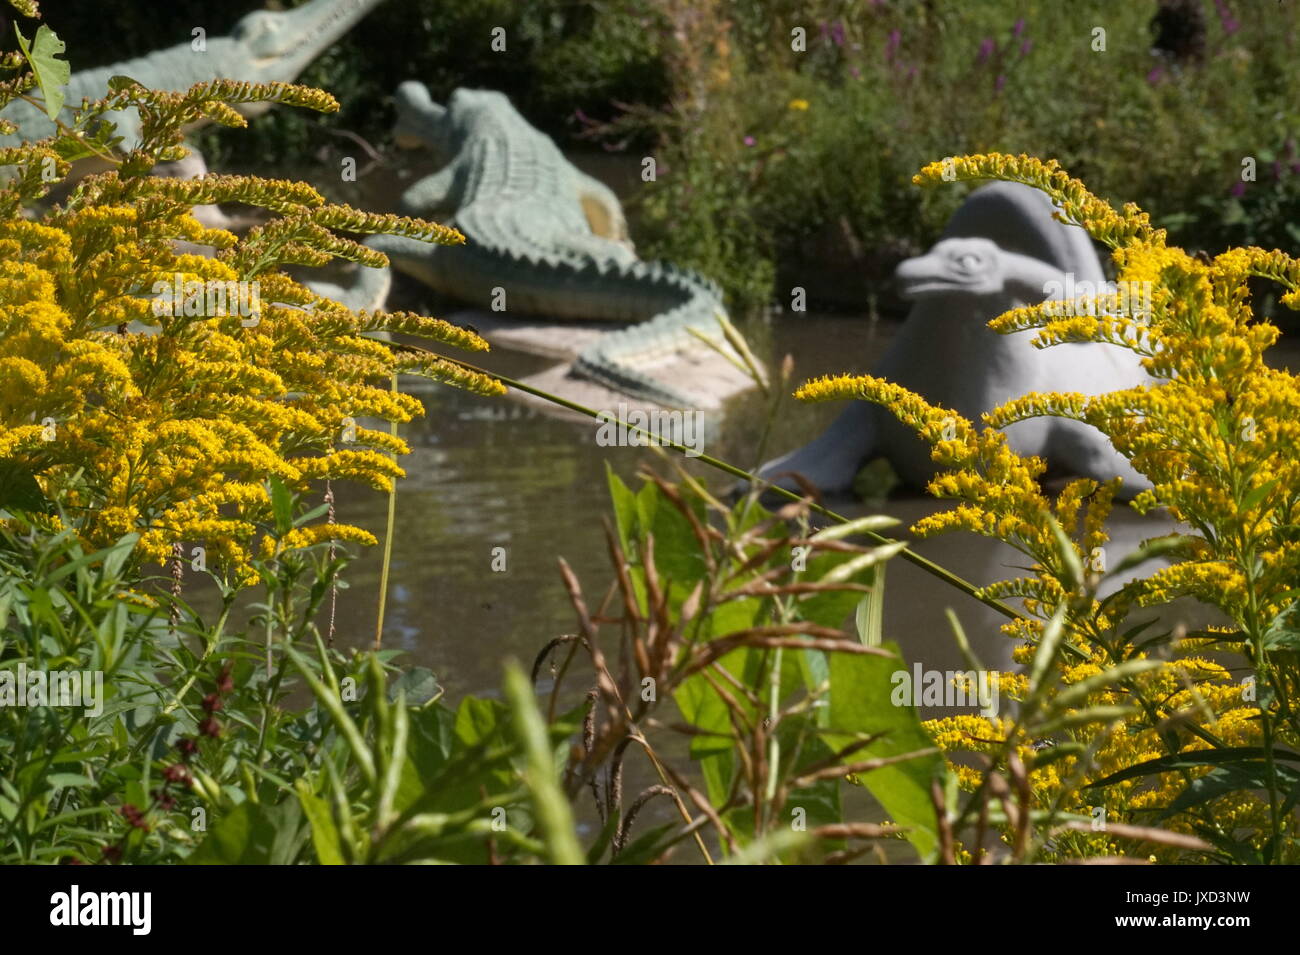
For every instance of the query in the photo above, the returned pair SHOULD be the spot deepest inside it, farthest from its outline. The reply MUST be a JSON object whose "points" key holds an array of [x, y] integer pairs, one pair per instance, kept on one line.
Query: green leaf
{"points": [[869, 616], [254, 834], [1199, 757], [324, 834], [419, 684], [1222, 780], [1053, 633], [281, 505], [624, 507], [19, 490], [51, 73], [1149, 550], [1258, 494], [861, 688], [1077, 692], [553, 812], [1071, 567], [874, 523]]}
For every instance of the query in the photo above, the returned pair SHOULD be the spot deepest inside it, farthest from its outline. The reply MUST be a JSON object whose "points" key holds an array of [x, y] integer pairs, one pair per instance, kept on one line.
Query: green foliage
{"points": [[51, 73], [734, 618], [196, 754], [892, 86]]}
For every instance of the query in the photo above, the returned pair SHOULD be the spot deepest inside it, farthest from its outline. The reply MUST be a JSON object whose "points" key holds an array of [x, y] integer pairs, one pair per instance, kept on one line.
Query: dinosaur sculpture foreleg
{"points": [[833, 460], [431, 197]]}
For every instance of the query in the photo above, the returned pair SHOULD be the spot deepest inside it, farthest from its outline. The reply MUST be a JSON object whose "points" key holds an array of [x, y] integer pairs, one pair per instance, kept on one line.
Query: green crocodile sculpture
{"points": [[264, 47], [542, 237]]}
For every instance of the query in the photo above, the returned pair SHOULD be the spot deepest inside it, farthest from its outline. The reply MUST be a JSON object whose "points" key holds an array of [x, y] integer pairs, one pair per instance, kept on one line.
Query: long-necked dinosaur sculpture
{"points": [[1001, 250], [264, 47], [542, 238]]}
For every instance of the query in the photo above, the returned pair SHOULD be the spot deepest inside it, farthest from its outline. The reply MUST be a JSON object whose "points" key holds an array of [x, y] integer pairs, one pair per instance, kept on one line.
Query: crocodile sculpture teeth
{"points": [[545, 236], [263, 47]]}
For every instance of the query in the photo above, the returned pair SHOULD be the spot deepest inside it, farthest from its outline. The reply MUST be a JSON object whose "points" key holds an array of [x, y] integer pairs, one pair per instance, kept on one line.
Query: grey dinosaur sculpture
{"points": [[264, 47], [540, 235], [945, 352]]}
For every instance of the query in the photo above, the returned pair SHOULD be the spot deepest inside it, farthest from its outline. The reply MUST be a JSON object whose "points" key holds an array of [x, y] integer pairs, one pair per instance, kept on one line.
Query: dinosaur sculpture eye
{"points": [[968, 262]]}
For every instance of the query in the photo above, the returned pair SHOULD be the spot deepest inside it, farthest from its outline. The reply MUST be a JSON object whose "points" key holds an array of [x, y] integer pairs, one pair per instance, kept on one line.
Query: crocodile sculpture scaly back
{"points": [[543, 236]]}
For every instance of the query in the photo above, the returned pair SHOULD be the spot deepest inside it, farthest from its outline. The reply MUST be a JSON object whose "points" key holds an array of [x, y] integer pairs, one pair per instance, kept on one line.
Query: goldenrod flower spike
{"points": [[1217, 435], [244, 374]]}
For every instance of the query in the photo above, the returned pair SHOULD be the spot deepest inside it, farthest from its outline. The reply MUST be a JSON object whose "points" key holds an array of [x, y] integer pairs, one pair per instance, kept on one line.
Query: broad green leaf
{"points": [[324, 834], [254, 834], [861, 688], [52, 74], [624, 501]]}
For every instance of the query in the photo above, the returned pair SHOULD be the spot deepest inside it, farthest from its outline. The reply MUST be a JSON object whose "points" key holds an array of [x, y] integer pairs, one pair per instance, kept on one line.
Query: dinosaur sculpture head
{"points": [[423, 122], [278, 45], [974, 267]]}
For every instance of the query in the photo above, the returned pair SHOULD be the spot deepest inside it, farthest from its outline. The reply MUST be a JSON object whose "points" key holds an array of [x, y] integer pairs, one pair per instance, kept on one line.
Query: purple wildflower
{"points": [[749, 140], [837, 33], [1277, 169], [855, 72], [1156, 75], [1226, 19], [987, 47], [1019, 28], [892, 44], [1000, 82], [1026, 46], [1238, 190]]}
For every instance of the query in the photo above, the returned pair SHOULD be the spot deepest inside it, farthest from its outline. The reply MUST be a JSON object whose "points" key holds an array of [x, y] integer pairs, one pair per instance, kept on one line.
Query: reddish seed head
{"points": [[211, 703], [210, 727], [176, 773]]}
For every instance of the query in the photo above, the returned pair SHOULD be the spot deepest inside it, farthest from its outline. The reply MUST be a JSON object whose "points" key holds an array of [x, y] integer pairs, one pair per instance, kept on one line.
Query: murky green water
{"points": [[487, 473], [490, 473]]}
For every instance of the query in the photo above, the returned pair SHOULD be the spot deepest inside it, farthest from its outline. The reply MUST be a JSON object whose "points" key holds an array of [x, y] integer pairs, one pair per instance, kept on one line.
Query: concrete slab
{"points": [[709, 376]]}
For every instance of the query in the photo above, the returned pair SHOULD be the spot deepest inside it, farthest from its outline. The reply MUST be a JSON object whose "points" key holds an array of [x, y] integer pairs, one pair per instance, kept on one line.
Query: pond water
{"points": [[491, 473], [487, 473]]}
